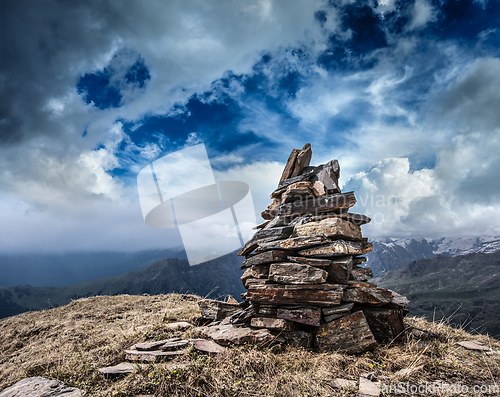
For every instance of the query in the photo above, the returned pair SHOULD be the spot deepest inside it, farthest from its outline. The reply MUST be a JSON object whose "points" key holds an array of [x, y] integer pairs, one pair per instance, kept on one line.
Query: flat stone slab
{"points": [[310, 295], [37, 387], [338, 248], [330, 227], [371, 296], [306, 315], [208, 346], [349, 334], [296, 273], [230, 335], [276, 324], [368, 388], [120, 369], [155, 345], [151, 356], [474, 345], [178, 326], [170, 346], [344, 383]]}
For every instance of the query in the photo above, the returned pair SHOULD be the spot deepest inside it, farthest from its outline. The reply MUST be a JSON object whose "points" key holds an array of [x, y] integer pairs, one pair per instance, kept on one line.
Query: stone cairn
{"points": [[304, 274]]}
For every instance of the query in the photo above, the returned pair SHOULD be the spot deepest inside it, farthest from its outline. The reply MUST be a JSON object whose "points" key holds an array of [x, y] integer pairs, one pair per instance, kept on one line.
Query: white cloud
{"points": [[423, 13], [387, 191]]}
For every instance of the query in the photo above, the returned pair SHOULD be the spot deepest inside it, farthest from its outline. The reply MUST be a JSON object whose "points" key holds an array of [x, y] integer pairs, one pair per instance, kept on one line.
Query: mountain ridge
{"points": [[464, 288], [164, 276]]}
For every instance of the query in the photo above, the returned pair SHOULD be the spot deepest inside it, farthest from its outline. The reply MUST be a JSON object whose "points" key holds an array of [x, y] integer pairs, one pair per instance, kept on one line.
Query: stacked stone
{"points": [[304, 271]]}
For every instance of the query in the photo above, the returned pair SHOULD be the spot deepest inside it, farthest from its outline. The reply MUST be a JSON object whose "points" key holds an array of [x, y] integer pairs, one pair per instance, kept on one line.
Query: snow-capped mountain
{"points": [[394, 253]]}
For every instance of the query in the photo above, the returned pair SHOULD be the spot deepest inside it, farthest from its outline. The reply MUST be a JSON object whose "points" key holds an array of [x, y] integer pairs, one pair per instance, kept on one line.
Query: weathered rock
{"points": [[330, 227], [296, 273], [305, 315], [339, 270], [474, 345], [309, 261], [265, 235], [120, 369], [277, 222], [230, 335], [357, 219], [315, 205], [303, 159], [344, 383], [361, 273], [276, 324], [178, 326], [344, 307], [171, 346], [360, 284], [328, 174], [151, 356], [371, 296], [217, 310], [256, 271], [368, 388], [296, 191], [155, 345], [253, 281], [286, 182], [265, 257], [290, 164], [349, 334], [274, 294], [298, 338], [399, 300], [334, 248], [385, 323], [318, 188], [37, 387], [296, 243], [267, 310], [208, 346], [274, 204], [243, 316], [335, 316]]}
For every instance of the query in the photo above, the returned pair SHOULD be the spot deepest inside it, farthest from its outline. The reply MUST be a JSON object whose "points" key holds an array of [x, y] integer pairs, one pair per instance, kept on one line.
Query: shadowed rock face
{"points": [[36, 387]]}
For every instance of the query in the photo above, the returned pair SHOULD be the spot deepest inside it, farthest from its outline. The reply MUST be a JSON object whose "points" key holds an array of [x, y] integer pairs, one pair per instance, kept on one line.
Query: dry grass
{"points": [[70, 343]]}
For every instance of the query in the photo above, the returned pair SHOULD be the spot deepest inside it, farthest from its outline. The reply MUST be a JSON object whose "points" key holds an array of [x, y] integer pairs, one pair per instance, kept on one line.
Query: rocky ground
{"points": [[71, 343]]}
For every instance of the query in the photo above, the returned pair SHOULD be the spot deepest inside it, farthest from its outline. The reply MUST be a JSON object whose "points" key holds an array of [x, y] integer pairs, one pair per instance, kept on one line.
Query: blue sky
{"points": [[404, 94]]}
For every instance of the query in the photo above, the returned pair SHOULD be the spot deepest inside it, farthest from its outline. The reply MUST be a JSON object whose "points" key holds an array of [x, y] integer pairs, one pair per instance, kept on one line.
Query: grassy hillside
{"points": [[221, 276], [70, 343], [466, 288]]}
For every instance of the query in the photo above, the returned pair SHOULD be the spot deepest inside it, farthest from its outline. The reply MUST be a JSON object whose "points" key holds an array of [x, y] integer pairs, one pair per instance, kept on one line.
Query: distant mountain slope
{"points": [[58, 270], [221, 276], [441, 285], [390, 254]]}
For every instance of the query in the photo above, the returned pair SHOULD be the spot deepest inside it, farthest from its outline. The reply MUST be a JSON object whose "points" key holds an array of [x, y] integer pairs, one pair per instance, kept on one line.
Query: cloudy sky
{"points": [[405, 94]]}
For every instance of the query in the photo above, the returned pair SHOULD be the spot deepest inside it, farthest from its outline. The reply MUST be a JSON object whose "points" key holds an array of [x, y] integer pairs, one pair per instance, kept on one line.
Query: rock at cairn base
{"points": [[304, 272]]}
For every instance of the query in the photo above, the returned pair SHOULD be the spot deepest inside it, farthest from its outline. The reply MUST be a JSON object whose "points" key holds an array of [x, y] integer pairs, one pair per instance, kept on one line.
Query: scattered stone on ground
{"points": [[474, 345], [368, 388], [344, 383], [208, 346], [38, 387]]}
